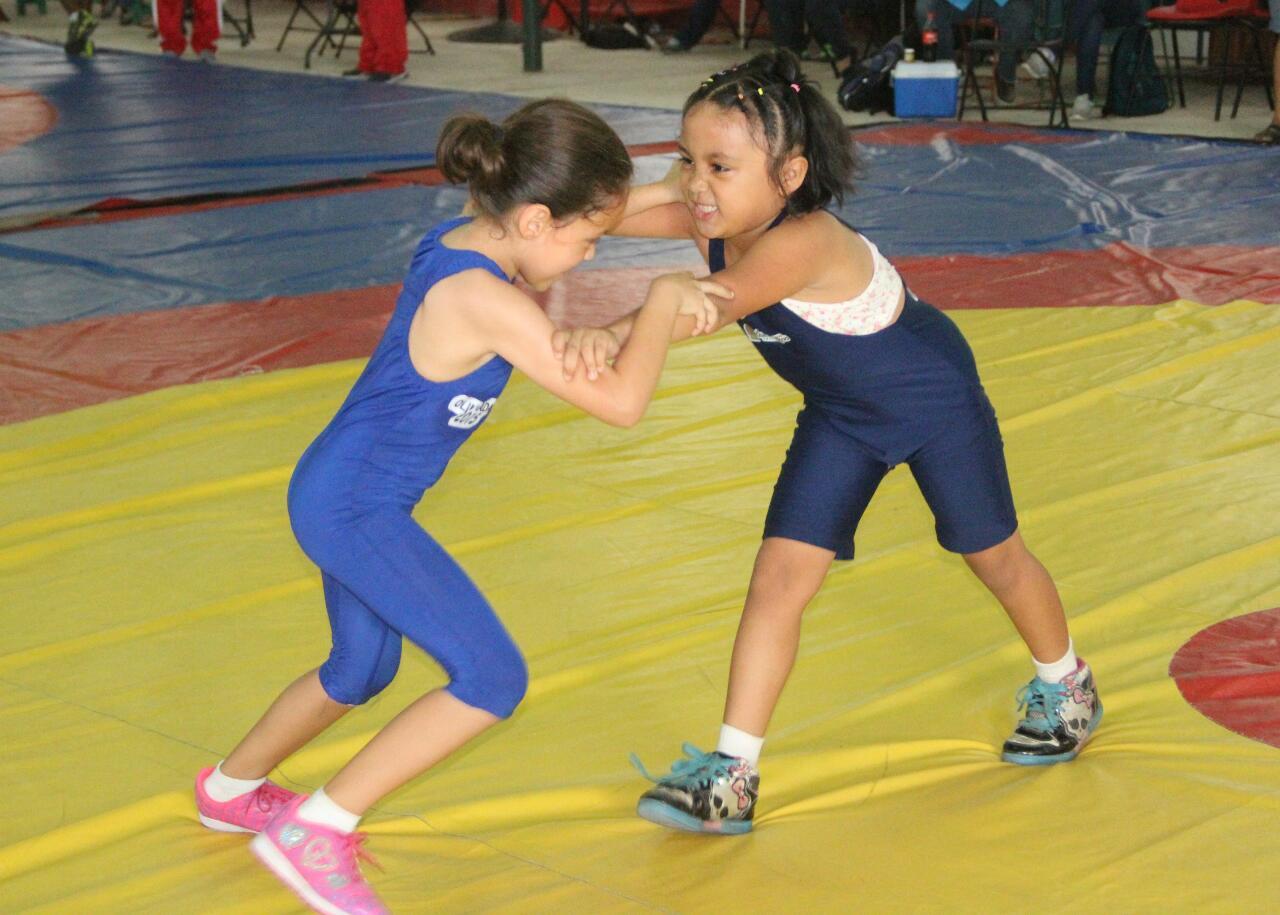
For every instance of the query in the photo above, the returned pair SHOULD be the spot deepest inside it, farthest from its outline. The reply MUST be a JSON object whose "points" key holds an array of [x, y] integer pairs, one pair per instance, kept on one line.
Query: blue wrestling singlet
{"points": [[350, 504]]}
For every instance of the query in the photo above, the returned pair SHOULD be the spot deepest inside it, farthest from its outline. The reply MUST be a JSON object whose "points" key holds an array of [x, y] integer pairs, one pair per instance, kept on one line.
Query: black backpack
{"points": [[1135, 87], [867, 88]]}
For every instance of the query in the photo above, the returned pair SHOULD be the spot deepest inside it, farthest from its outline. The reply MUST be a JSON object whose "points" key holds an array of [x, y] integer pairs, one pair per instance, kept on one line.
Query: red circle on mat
{"points": [[1230, 673], [24, 115]]}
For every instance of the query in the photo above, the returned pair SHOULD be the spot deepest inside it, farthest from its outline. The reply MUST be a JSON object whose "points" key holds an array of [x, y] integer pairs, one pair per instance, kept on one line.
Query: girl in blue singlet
{"points": [[545, 185], [886, 380]]}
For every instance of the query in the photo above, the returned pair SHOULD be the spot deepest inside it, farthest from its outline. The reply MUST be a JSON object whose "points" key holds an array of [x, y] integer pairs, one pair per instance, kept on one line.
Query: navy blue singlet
{"points": [[909, 393]]}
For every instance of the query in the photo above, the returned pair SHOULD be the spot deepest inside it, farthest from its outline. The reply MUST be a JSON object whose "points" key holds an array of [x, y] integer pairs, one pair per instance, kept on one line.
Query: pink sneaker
{"points": [[247, 813], [318, 863]]}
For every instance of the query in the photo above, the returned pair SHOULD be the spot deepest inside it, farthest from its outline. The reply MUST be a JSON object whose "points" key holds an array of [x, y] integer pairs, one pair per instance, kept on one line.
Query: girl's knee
{"points": [[1003, 562], [789, 571], [498, 686], [348, 684]]}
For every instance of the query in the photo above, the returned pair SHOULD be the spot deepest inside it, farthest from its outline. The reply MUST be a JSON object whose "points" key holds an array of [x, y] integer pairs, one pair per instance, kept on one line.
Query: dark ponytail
{"points": [[553, 152], [790, 114]]}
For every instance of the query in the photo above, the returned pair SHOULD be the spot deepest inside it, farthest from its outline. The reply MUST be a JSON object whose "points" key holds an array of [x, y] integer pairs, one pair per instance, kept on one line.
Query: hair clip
{"points": [[760, 91], [795, 86]]}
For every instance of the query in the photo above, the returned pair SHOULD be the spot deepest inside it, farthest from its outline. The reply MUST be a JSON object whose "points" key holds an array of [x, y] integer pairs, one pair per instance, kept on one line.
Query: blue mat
{"points": [[916, 200], [148, 127]]}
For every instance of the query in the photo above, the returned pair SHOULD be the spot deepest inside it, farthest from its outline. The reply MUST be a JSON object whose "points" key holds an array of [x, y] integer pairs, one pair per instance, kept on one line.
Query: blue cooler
{"points": [[925, 90]]}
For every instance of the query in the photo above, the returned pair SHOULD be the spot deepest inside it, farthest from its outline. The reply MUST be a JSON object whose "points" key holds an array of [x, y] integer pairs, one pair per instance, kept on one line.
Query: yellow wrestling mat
{"points": [[153, 602]]}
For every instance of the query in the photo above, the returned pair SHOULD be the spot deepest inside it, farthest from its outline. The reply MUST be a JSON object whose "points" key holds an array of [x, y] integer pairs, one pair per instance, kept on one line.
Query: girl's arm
{"points": [[657, 210], [780, 264], [512, 325]]}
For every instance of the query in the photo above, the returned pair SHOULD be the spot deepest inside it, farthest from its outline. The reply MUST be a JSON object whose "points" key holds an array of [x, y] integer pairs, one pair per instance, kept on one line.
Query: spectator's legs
{"points": [[827, 22], [1015, 20], [384, 47], [168, 15], [786, 22], [368, 37], [700, 19], [206, 26], [1275, 78], [1271, 133], [1086, 31]]}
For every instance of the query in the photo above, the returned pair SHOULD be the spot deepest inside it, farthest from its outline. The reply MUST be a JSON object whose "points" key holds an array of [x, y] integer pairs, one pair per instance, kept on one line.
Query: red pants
{"points": [[383, 45], [205, 29]]}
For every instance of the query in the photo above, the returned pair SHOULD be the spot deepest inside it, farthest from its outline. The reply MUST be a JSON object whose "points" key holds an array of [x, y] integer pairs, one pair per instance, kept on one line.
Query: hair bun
{"points": [[470, 150], [781, 66]]}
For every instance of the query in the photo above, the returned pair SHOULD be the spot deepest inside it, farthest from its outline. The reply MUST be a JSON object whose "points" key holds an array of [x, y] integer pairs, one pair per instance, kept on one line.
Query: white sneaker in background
{"points": [[1035, 67], [1084, 110]]}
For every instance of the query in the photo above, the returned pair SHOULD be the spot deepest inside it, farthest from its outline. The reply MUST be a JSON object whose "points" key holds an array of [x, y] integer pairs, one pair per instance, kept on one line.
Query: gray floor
{"points": [[622, 77]]}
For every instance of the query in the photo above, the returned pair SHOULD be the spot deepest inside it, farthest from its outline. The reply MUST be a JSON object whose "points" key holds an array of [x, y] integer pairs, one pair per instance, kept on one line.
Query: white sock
{"points": [[1054, 672], [321, 809], [734, 742], [223, 788]]}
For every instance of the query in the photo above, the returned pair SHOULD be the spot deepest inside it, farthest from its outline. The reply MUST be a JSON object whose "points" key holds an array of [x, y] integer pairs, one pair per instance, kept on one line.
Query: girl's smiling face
{"points": [[726, 180]]}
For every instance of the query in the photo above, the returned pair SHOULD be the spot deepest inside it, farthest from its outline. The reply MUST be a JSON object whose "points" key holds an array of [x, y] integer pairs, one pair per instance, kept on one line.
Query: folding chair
{"points": [[303, 7], [1223, 19], [1048, 33], [241, 25]]}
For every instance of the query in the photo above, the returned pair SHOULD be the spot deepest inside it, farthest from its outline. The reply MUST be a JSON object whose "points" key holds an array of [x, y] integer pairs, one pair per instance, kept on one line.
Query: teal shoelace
{"points": [[1041, 700], [695, 767]]}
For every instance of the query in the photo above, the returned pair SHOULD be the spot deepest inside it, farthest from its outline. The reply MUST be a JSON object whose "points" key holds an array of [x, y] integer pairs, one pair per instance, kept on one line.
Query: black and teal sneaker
{"points": [[79, 28], [705, 792], [1059, 718]]}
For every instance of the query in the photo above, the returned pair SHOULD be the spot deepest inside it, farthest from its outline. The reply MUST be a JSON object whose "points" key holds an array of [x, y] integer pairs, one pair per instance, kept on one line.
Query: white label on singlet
{"points": [[756, 336], [469, 412]]}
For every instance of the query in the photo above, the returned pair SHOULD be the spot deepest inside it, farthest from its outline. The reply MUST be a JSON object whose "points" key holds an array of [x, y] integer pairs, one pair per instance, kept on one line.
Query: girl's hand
{"points": [[671, 183], [693, 296], [591, 348]]}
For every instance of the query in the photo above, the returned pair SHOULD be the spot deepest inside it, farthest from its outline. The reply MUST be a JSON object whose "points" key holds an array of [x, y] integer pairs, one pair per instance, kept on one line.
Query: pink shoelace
{"points": [[269, 797]]}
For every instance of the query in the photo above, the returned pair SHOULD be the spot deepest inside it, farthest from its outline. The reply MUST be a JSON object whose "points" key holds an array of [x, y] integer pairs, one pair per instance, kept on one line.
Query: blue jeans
{"points": [[1088, 19], [700, 19], [787, 19]]}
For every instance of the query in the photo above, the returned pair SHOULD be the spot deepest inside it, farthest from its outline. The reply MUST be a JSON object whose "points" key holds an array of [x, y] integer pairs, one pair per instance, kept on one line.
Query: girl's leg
{"points": [[412, 586], [299, 714], [1060, 705], [786, 576], [825, 485], [407, 584], [363, 660], [1027, 593], [717, 792], [415, 740]]}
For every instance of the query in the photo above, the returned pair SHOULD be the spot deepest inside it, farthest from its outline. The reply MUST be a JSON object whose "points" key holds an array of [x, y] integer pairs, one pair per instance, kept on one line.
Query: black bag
{"points": [[868, 87], [1135, 87], [614, 36]]}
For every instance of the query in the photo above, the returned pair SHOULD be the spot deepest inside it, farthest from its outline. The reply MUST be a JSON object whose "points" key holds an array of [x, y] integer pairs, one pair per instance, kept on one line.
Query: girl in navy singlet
{"points": [[885, 378], [545, 185]]}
